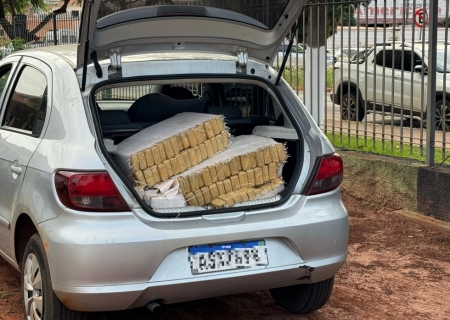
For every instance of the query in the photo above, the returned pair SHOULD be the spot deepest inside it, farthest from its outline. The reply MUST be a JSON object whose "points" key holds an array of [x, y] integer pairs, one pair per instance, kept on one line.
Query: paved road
{"points": [[388, 127]]}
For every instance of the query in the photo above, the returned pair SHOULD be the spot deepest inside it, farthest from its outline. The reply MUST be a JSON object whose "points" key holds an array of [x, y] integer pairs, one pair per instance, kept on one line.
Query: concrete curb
{"points": [[398, 184]]}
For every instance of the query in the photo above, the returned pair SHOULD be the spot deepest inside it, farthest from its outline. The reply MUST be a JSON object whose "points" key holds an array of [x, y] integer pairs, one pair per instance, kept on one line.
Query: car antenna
{"points": [[86, 49], [286, 56]]}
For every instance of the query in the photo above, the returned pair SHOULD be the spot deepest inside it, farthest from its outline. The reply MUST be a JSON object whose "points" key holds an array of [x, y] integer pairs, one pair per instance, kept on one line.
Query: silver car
{"points": [[75, 225]]}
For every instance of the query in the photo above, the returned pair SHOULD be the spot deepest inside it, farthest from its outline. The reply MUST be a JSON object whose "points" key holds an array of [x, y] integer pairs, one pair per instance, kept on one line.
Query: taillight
{"points": [[89, 191], [329, 176]]}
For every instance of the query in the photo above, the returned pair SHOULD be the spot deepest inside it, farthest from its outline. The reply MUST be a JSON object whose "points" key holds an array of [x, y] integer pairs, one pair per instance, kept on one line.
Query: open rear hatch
{"points": [[130, 27]]}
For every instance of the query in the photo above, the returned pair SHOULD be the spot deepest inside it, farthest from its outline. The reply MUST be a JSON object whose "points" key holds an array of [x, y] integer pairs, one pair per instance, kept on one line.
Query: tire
{"points": [[303, 298], [351, 107], [39, 300], [442, 115]]}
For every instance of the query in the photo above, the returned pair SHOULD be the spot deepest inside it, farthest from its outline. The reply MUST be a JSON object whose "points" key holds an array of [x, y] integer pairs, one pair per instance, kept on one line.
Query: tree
{"points": [[16, 29], [337, 15]]}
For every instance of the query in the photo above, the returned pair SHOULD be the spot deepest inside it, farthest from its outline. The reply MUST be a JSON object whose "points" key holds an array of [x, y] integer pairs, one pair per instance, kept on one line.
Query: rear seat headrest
{"points": [[158, 107], [230, 112], [178, 93]]}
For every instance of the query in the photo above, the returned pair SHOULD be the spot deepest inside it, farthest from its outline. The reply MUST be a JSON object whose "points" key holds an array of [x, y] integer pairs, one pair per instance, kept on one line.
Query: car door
{"points": [[22, 117], [408, 84], [383, 75]]}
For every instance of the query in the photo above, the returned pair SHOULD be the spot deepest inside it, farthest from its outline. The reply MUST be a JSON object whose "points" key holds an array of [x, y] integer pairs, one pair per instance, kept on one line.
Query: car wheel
{"points": [[39, 300], [304, 298], [443, 115], [351, 108]]}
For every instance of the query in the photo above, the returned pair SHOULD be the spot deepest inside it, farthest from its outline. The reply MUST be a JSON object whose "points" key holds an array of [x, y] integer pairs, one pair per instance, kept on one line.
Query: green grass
{"points": [[295, 77], [5, 292], [389, 149]]}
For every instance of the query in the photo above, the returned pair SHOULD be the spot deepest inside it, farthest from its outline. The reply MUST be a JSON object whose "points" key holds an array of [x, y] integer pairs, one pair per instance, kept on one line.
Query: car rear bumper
{"points": [[102, 262], [137, 295]]}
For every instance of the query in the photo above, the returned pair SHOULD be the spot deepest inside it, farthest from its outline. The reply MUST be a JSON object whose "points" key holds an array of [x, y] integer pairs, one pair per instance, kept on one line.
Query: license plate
{"points": [[227, 256]]}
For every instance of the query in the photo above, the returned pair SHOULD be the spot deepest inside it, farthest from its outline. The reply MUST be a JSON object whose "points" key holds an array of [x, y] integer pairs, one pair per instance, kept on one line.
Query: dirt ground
{"points": [[398, 268]]}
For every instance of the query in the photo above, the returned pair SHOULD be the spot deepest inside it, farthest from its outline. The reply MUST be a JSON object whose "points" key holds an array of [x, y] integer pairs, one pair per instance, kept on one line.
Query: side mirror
{"points": [[421, 70]]}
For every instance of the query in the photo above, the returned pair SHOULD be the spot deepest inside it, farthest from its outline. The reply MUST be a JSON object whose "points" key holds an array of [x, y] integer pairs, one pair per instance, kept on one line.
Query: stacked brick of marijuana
{"points": [[171, 147], [248, 169]]}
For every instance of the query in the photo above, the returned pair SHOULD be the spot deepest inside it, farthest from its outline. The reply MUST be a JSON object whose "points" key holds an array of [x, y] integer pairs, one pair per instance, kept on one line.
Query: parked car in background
{"points": [[81, 228], [63, 36], [347, 54], [400, 69], [295, 59]]}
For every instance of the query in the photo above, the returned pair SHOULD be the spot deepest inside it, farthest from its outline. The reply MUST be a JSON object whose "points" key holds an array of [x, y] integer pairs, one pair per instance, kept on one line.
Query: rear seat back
{"points": [[234, 120], [156, 107], [116, 124], [144, 112]]}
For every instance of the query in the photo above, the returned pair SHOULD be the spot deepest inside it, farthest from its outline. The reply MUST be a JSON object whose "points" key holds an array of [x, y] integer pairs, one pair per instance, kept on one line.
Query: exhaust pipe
{"points": [[153, 306]]}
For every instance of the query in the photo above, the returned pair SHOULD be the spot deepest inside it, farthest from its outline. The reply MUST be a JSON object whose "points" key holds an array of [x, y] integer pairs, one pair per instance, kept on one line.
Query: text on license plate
{"points": [[227, 256]]}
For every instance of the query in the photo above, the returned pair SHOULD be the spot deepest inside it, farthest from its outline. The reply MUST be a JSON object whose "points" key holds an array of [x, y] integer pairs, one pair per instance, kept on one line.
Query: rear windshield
{"points": [[262, 13]]}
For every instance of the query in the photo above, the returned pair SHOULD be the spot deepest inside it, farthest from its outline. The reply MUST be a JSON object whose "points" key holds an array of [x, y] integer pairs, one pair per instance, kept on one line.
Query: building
{"points": [[385, 12]]}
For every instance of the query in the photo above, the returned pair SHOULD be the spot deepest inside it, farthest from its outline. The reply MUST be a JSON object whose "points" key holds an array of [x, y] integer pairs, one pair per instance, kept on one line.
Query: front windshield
{"points": [[266, 13], [443, 61]]}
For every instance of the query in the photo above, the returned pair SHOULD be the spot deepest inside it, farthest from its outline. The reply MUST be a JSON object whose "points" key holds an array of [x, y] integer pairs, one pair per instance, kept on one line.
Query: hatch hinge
{"points": [[242, 56], [115, 68]]}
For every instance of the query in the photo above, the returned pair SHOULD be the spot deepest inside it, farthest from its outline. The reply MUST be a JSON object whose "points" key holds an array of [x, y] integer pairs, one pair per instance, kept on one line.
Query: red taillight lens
{"points": [[89, 191], [329, 176]]}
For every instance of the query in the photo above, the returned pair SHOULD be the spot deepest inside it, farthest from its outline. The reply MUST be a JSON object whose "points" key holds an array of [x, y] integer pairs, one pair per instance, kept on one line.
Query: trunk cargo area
{"points": [[187, 147]]}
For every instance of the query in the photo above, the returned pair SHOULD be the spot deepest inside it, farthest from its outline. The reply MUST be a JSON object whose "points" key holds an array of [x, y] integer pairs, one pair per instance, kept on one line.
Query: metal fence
{"points": [[34, 30], [377, 79], [374, 74]]}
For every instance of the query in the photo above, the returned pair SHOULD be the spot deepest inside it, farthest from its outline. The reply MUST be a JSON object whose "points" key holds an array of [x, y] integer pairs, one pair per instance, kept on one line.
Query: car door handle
{"points": [[16, 169], [370, 73]]}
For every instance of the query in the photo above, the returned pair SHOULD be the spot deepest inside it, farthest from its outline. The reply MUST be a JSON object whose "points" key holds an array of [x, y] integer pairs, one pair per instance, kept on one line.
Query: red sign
{"points": [[420, 17]]}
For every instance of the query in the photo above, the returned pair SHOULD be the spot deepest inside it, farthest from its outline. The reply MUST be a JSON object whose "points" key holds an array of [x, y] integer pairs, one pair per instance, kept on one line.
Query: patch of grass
{"points": [[5, 292], [389, 148], [295, 77]]}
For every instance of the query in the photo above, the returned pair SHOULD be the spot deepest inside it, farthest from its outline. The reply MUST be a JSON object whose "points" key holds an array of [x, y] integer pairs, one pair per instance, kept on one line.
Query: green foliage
{"points": [[342, 140], [337, 15], [16, 7], [445, 22], [18, 44], [295, 77], [10, 46]]}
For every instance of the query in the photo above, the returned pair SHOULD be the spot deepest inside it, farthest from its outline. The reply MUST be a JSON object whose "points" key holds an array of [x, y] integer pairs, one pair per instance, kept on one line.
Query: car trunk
{"points": [[146, 116], [184, 146]]}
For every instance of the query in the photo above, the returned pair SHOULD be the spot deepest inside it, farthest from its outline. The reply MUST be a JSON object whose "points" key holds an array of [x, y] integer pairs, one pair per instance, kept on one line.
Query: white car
{"points": [[393, 78], [347, 54], [296, 57], [81, 224], [295, 60]]}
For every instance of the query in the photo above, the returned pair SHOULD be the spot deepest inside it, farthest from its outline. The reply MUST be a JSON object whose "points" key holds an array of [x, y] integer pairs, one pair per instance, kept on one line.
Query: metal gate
{"points": [[375, 74]]}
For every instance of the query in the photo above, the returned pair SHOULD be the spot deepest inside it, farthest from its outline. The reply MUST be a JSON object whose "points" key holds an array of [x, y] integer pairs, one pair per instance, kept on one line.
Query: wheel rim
{"points": [[32, 288], [443, 116], [348, 107]]}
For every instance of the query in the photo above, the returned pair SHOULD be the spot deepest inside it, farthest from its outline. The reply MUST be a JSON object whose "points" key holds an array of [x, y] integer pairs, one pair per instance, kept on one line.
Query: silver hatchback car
{"points": [[75, 223]]}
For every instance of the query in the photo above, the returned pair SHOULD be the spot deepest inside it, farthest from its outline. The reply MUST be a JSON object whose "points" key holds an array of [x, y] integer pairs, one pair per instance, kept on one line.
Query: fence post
{"points": [[315, 65], [55, 34], [431, 90]]}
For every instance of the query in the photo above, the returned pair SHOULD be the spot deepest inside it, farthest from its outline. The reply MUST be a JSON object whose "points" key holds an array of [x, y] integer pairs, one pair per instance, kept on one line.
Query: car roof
{"points": [[67, 52]]}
